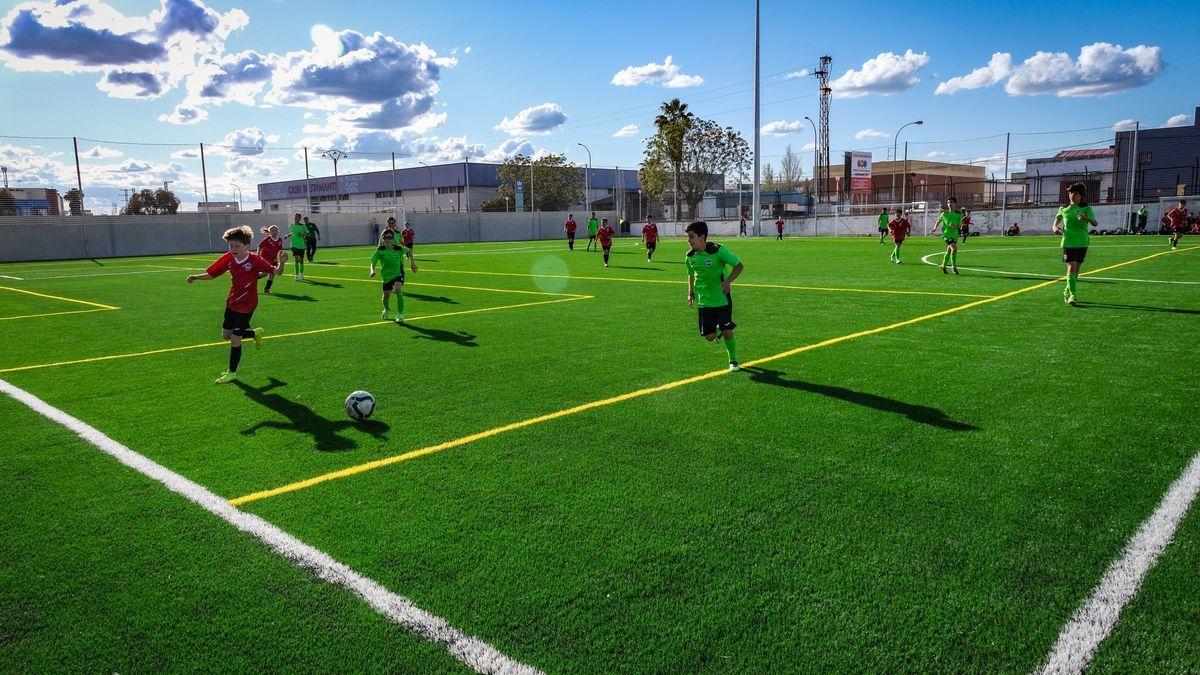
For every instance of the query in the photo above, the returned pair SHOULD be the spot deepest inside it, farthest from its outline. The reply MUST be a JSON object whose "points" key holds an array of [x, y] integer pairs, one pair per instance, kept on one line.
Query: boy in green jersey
{"points": [[299, 236], [390, 258], [593, 228], [709, 287], [883, 225], [1072, 223], [951, 221]]}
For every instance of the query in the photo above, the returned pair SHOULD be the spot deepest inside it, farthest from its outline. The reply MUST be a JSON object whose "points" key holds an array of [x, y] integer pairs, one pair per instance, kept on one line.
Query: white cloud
{"points": [[884, 74], [627, 130], [101, 152], [467, 49], [244, 142], [185, 154], [996, 70], [536, 120], [183, 114], [937, 154], [803, 72], [1101, 69], [1123, 125], [666, 74], [1177, 121], [869, 133], [782, 127], [808, 146]]}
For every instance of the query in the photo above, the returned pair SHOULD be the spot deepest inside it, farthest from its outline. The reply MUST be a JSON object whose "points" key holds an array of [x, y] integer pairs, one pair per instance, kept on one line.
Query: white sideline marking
{"points": [[471, 651], [1094, 621], [5, 276], [1037, 275], [102, 274]]}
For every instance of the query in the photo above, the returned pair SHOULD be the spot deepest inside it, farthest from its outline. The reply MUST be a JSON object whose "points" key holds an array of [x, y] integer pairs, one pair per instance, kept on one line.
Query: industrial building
{"points": [[1168, 161], [1047, 178], [37, 201]]}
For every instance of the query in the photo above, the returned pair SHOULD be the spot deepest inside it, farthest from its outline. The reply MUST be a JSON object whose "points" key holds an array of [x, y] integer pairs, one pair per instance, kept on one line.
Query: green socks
{"points": [[945, 258], [954, 259], [400, 303], [731, 349], [387, 302], [298, 264], [1072, 279], [895, 253]]}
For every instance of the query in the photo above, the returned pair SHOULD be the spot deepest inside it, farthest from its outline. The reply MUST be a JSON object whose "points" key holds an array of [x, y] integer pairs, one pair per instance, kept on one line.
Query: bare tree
{"points": [[790, 173]]}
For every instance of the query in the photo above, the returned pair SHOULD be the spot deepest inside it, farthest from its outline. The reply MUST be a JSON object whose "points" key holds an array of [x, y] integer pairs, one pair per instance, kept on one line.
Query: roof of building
{"points": [[1086, 154]]}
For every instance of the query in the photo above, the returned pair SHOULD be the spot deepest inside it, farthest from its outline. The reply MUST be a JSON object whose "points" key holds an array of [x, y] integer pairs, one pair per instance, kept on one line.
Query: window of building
{"points": [[453, 189], [274, 207], [387, 194]]}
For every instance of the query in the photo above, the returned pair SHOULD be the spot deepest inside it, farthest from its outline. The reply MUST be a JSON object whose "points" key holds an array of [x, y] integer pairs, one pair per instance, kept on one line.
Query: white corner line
{"points": [[5, 276], [471, 651], [1093, 622]]}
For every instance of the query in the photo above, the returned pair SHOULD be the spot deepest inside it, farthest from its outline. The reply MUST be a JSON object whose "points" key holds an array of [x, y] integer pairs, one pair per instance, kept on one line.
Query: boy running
{"points": [[605, 233], [779, 228], [593, 225], [951, 221], [650, 236], [1072, 223], [709, 288], [965, 230], [390, 258], [899, 227], [570, 226], [1178, 218], [883, 225], [310, 241], [268, 249], [407, 235], [299, 236], [244, 269]]}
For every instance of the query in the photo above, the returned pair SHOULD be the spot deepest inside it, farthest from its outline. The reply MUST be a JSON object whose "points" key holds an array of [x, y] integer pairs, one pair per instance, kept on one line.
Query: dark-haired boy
{"points": [[244, 268], [605, 235], [298, 233], [709, 287], [1178, 218]]}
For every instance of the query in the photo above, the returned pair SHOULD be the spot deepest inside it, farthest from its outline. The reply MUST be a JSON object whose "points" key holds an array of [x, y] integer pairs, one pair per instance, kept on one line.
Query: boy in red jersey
{"points": [[1178, 218], [570, 226], [407, 235], [244, 268], [605, 234], [268, 249], [899, 227], [779, 228], [650, 236]]}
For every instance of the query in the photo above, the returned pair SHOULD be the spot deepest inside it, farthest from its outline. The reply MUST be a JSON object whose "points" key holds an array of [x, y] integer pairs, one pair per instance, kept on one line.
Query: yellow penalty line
{"points": [[58, 297], [465, 440], [288, 335], [827, 289]]}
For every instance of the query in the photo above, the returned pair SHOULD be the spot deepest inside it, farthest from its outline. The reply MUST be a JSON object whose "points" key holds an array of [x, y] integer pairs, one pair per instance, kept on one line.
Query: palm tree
{"points": [[673, 122]]}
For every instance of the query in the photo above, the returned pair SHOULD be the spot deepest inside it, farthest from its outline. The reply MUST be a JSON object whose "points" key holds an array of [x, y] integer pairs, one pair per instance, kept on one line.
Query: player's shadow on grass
{"points": [[635, 267], [1141, 308], [326, 284], [430, 298], [326, 434], [289, 296], [917, 413], [460, 338], [425, 259]]}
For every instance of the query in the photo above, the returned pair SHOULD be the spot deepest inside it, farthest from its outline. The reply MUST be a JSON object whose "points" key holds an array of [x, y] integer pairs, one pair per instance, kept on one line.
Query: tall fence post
{"points": [[1133, 166], [1004, 198], [307, 198], [79, 184], [207, 206]]}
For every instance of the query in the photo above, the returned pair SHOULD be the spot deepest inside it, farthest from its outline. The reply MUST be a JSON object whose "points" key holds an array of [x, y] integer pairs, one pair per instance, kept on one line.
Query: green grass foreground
{"points": [[937, 496]]}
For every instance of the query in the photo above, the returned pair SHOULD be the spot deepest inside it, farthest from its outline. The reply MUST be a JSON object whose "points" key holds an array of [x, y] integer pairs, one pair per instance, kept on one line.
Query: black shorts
{"points": [[297, 252], [387, 285], [236, 321], [606, 249], [716, 318], [1074, 255], [571, 236], [650, 245], [949, 240]]}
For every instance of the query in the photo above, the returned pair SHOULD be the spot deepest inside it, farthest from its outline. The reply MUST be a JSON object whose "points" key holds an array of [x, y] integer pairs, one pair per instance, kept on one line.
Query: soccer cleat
{"points": [[734, 367], [399, 318], [944, 269], [266, 291], [956, 270], [384, 315], [298, 277], [1071, 300], [258, 338], [228, 377]]}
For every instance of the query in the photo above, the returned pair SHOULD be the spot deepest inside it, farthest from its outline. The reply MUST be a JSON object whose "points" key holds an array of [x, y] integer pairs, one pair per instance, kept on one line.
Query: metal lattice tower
{"points": [[824, 90]]}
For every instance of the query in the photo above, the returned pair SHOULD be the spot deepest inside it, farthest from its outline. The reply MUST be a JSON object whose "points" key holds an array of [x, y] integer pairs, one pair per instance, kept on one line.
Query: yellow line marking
{"points": [[387, 461], [58, 297], [738, 284], [34, 316], [465, 288], [284, 335]]}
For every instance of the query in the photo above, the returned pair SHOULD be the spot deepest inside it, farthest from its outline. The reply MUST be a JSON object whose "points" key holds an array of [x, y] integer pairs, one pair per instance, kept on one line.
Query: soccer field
{"points": [[913, 472]]}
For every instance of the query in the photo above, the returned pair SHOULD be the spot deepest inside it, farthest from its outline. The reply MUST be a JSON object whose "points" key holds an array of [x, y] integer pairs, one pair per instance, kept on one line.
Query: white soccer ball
{"points": [[360, 405]]}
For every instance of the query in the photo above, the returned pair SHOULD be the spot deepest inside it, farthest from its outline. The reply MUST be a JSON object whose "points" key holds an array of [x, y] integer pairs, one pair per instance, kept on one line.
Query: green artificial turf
{"points": [[940, 495]]}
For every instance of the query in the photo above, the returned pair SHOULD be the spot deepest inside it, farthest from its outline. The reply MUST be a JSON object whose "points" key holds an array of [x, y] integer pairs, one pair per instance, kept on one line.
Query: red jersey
{"points": [[570, 226], [406, 237], [243, 293], [899, 229], [1178, 218], [650, 232], [779, 225], [605, 233], [269, 248]]}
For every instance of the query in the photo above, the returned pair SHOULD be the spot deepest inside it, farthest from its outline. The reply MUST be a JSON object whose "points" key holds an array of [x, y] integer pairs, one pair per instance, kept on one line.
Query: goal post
{"points": [[1155, 220], [863, 219]]}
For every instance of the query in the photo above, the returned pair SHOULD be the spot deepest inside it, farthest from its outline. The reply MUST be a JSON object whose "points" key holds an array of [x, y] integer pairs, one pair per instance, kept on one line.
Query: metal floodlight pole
{"points": [[904, 183], [1133, 163], [895, 140], [207, 206], [79, 184], [467, 180], [815, 154], [1004, 199], [532, 206], [756, 198], [239, 191], [307, 178], [432, 200], [587, 180]]}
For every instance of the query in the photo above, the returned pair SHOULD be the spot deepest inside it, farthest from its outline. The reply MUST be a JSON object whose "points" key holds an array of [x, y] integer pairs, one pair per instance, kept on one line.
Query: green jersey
{"points": [[593, 226], [950, 221], [390, 261], [299, 235], [708, 268], [1075, 225], [883, 222]]}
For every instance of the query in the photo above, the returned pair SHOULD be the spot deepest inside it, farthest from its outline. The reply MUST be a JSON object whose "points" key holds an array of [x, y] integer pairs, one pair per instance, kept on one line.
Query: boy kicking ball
{"points": [[390, 258], [244, 268], [709, 287]]}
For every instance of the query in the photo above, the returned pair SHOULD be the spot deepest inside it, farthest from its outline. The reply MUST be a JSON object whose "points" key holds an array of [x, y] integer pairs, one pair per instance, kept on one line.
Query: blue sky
{"points": [[435, 81]]}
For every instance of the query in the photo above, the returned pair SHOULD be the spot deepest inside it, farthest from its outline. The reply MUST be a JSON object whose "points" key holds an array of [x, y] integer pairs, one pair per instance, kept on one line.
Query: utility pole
{"points": [[756, 198], [1133, 164], [825, 91], [1004, 199], [587, 178]]}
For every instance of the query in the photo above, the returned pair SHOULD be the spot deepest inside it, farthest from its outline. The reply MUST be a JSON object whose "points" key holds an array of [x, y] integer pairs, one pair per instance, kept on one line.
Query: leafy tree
{"points": [[709, 150], [8, 203], [165, 201], [148, 203], [557, 183], [495, 204], [74, 201], [671, 126], [655, 173]]}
